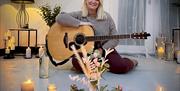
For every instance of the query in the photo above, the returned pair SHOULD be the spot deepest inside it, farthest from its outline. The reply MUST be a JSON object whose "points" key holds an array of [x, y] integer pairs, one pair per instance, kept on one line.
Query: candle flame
{"points": [[28, 81], [161, 50], [51, 87]]}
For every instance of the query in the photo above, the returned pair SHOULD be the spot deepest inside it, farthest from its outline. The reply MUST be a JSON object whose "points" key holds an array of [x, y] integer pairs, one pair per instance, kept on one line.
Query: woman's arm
{"points": [[69, 19]]}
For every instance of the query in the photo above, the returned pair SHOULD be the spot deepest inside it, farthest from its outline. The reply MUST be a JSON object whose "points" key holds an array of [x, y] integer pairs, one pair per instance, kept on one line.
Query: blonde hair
{"points": [[100, 12]]}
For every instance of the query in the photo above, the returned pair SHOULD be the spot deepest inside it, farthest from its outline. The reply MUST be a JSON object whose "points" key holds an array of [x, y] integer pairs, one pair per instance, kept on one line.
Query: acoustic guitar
{"points": [[60, 38]]}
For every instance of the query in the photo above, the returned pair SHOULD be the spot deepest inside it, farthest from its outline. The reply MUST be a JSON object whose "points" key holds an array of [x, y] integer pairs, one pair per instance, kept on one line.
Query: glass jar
{"points": [[160, 47], [44, 66], [169, 50]]}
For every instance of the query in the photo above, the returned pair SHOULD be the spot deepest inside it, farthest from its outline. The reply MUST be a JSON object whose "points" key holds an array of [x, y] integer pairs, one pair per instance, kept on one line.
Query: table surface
{"points": [[149, 75], [22, 29]]}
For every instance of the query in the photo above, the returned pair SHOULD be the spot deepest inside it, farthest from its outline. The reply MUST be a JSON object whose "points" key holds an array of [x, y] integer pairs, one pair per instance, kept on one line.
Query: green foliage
{"points": [[49, 15], [74, 87]]}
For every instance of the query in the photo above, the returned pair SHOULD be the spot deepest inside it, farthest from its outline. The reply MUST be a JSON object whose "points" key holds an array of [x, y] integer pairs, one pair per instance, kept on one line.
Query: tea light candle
{"points": [[51, 87], [27, 86], [160, 52]]}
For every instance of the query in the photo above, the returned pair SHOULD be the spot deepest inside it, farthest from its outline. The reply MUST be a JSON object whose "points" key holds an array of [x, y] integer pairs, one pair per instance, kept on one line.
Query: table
{"points": [[25, 29]]}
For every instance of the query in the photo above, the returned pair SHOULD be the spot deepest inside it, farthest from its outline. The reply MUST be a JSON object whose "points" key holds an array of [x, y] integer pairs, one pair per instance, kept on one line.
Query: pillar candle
{"points": [[41, 50], [28, 52], [51, 87], [27, 86]]}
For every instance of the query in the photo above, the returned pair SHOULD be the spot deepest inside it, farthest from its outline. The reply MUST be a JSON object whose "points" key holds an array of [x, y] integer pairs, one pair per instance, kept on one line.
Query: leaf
{"points": [[49, 15]]}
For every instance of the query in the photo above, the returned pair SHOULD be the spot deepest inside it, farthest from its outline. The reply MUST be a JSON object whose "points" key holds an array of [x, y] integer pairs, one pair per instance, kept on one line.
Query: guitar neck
{"points": [[100, 38]]}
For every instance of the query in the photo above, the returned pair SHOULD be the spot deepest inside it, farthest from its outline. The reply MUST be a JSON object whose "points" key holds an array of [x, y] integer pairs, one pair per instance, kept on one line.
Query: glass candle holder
{"points": [[44, 66], [160, 47], [178, 56], [169, 50]]}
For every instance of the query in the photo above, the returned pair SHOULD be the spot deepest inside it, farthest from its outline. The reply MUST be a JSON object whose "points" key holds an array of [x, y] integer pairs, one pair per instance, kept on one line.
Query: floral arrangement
{"points": [[49, 15], [93, 67]]}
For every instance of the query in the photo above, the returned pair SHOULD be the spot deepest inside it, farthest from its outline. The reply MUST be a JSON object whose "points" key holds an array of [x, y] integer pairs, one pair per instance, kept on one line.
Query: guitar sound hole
{"points": [[80, 39], [73, 43]]}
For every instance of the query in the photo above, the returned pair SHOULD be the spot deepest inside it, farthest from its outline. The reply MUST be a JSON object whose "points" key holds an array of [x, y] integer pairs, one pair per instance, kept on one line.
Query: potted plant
{"points": [[49, 15]]}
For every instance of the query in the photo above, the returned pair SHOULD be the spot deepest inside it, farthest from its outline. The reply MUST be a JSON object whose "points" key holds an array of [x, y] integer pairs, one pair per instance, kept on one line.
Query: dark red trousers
{"points": [[118, 65]]}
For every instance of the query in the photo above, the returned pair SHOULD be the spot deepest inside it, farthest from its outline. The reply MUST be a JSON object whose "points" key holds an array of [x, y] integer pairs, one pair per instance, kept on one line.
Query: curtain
{"points": [[157, 21], [153, 16], [164, 18], [131, 19]]}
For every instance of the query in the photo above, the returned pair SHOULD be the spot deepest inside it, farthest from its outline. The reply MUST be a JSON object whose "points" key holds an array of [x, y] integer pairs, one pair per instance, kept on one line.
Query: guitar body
{"points": [[55, 40]]}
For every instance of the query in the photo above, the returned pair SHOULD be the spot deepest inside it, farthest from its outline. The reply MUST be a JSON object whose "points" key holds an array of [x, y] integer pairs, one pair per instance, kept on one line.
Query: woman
{"points": [[93, 14]]}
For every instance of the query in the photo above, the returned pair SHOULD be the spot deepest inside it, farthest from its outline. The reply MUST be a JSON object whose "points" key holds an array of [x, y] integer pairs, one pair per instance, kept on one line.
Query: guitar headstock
{"points": [[141, 35]]}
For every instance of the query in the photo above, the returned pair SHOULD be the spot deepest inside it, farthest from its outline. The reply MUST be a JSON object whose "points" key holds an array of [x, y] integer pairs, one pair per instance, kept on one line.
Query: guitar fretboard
{"points": [[99, 38]]}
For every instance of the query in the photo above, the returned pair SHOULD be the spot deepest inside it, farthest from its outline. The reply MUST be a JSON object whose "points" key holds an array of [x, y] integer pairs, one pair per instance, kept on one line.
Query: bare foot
{"points": [[135, 62]]}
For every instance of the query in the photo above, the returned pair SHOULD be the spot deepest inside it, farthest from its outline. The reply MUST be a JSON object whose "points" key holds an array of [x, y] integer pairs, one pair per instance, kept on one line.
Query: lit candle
{"points": [[161, 52], [27, 86], [51, 87]]}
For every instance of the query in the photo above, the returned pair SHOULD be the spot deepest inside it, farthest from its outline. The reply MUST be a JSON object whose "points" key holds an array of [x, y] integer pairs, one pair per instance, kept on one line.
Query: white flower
{"points": [[78, 79], [107, 51]]}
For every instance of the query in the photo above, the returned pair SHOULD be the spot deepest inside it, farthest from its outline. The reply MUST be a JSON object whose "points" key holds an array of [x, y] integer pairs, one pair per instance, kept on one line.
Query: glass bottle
{"points": [[44, 65], [169, 50]]}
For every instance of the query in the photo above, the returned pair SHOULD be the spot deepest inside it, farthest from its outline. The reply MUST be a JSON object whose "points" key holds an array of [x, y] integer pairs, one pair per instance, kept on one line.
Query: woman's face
{"points": [[92, 4]]}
